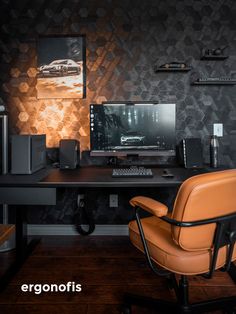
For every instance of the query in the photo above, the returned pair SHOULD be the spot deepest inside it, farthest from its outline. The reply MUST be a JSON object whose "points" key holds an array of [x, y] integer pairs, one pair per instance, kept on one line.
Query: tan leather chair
{"points": [[5, 232], [198, 237]]}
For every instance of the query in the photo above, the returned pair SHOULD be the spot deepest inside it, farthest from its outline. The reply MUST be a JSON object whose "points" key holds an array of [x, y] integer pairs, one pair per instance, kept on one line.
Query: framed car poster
{"points": [[61, 67]]}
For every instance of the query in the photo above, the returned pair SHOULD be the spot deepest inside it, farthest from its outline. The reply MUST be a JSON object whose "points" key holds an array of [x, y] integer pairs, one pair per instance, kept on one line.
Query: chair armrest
{"points": [[154, 207]]}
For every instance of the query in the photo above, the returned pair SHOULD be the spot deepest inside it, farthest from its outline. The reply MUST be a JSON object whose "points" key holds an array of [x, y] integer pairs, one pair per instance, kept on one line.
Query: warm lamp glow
{"points": [[52, 116]]}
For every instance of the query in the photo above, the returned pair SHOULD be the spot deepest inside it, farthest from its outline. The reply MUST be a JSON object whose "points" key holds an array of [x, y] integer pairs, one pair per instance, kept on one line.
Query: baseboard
{"points": [[116, 230]]}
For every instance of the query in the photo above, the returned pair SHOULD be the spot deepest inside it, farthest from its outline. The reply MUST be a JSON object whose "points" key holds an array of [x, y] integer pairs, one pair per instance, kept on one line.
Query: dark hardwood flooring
{"points": [[106, 267]]}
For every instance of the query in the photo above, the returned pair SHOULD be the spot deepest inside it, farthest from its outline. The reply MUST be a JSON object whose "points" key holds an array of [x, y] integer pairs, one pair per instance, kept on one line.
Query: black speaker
{"points": [[190, 153], [69, 154]]}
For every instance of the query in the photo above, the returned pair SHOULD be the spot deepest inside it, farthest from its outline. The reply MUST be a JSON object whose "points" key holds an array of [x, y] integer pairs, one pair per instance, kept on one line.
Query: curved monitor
{"points": [[122, 129]]}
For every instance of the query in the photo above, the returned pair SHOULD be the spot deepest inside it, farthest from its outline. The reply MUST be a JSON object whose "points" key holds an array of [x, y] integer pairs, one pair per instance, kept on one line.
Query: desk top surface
{"points": [[95, 177]]}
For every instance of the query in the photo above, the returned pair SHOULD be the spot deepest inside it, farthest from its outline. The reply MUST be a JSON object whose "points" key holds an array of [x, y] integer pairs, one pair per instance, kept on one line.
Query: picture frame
{"points": [[61, 66]]}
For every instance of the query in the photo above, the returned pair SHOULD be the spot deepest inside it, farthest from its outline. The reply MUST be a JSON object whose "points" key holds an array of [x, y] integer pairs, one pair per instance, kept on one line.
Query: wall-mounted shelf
{"points": [[219, 82], [172, 69], [214, 58]]}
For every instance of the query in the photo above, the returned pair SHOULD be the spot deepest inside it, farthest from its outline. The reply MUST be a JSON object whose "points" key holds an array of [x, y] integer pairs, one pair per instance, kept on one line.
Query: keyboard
{"points": [[132, 172]]}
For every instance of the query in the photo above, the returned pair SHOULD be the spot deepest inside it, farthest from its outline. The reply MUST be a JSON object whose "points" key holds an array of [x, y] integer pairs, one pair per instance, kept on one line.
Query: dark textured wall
{"points": [[125, 39]]}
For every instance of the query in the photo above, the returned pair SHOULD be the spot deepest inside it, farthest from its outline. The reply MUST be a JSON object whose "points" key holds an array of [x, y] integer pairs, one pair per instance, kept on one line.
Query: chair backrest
{"points": [[201, 197]]}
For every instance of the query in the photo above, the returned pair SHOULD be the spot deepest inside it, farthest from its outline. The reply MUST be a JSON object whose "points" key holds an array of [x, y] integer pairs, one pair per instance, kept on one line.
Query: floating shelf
{"points": [[220, 57], [233, 82], [173, 69]]}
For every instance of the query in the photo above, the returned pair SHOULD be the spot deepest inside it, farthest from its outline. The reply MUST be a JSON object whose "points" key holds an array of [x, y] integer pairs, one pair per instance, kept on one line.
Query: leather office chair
{"points": [[5, 232], [198, 237]]}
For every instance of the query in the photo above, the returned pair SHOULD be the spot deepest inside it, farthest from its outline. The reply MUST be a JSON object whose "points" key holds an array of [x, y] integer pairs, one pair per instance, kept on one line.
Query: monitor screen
{"points": [[120, 129]]}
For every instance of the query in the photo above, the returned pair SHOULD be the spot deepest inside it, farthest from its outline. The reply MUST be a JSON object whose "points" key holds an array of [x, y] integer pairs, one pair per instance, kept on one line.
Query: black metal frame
{"points": [[83, 48], [23, 250], [225, 234]]}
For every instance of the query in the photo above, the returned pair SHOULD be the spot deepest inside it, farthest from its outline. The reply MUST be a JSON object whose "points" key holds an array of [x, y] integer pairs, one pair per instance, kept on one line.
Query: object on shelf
{"points": [[215, 81], [173, 66], [214, 54]]}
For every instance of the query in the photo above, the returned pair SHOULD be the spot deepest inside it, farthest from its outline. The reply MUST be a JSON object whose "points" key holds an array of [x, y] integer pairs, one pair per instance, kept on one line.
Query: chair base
{"points": [[182, 305], [227, 304]]}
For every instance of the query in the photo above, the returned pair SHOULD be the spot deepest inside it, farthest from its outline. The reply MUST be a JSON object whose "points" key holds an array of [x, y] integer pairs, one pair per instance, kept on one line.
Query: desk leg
{"points": [[23, 247], [232, 272], [21, 233]]}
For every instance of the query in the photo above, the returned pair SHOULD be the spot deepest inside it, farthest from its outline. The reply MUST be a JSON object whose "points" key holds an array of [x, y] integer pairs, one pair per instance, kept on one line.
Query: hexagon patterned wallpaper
{"points": [[125, 40]]}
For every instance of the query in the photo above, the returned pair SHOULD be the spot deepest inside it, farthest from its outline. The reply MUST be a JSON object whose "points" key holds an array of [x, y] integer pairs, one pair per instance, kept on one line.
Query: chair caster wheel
{"points": [[126, 309], [170, 283]]}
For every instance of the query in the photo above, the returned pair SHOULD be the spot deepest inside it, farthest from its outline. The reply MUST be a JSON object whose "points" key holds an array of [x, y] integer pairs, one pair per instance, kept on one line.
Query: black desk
{"points": [[95, 177], [101, 177], [41, 189]]}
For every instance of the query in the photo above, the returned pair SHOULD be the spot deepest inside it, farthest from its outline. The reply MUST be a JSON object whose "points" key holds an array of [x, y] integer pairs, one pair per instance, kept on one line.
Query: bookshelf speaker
{"points": [[190, 153], [69, 154]]}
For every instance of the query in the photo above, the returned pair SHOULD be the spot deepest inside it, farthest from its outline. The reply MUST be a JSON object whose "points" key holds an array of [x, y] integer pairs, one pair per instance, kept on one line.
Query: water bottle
{"points": [[214, 151]]}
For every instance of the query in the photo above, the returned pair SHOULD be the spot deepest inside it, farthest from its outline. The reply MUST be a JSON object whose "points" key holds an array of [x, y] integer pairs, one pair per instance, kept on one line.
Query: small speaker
{"points": [[69, 154], [190, 153]]}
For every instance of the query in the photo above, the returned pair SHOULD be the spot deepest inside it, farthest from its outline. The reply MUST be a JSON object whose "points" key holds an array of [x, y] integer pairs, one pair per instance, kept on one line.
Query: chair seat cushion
{"points": [[166, 253]]}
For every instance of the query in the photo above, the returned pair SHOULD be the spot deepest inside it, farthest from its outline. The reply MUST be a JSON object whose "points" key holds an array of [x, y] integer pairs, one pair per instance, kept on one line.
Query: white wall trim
{"points": [[116, 230]]}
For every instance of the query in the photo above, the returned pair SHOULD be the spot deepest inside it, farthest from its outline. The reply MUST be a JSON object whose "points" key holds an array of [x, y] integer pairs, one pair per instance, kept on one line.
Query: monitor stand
{"points": [[112, 161], [128, 161], [133, 160]]}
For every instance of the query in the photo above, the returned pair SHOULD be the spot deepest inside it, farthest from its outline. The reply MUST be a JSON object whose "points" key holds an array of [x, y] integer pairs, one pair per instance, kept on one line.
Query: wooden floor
{"points": [[106, 267]]}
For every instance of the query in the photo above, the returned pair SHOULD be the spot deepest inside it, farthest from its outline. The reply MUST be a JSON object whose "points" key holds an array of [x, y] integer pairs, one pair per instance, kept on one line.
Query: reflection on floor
{"points": [[106, 267]]}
